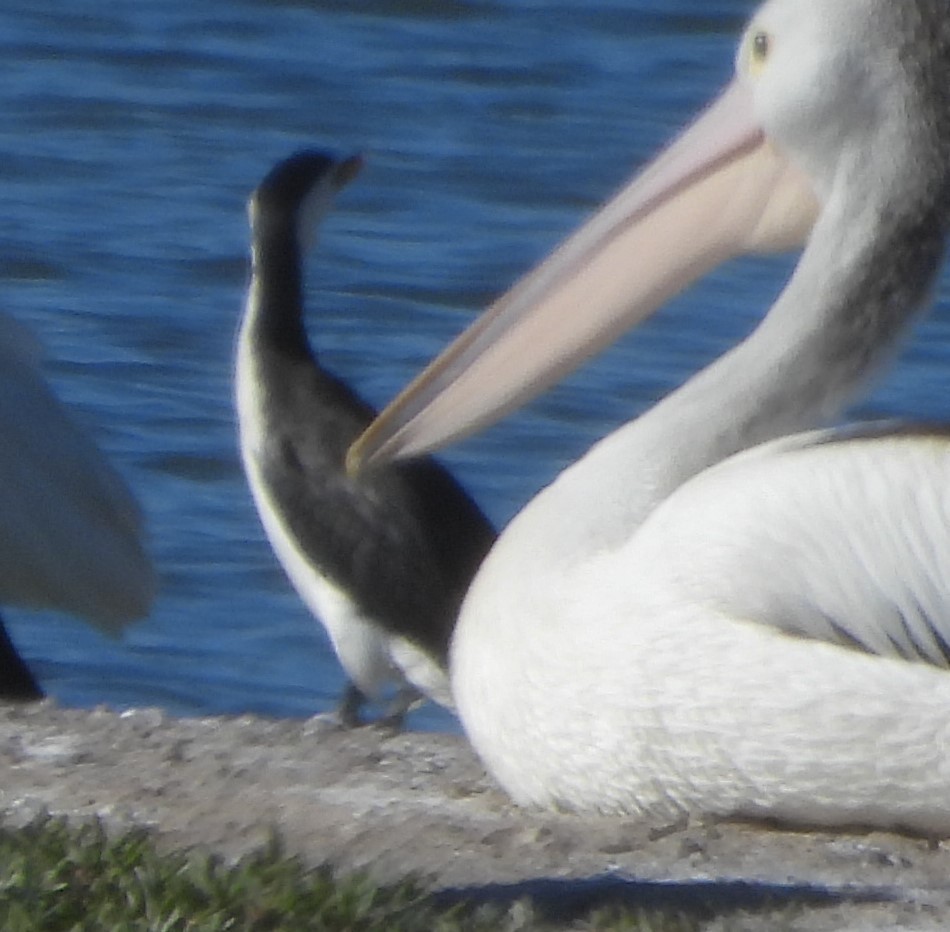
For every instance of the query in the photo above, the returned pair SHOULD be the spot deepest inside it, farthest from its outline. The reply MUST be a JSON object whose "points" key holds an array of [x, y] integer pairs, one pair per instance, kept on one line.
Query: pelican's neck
{"points": [[273, 316], [866, 268]]}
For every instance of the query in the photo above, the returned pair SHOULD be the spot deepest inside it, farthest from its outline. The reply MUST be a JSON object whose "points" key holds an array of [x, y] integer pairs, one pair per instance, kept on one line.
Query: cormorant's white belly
{"points": [[361, 646], [372, 657]]}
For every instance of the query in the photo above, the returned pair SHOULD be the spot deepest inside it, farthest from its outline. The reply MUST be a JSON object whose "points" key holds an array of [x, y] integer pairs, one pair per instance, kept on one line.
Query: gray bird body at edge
{"points": [[72, 537]]}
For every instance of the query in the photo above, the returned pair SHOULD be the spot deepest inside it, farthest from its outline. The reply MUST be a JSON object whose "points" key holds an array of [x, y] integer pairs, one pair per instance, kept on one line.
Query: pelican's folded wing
{"points": [[840, 535]]}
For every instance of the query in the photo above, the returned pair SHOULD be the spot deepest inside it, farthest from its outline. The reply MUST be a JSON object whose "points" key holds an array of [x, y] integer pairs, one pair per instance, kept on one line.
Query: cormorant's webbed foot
{"points": [[405, 700], [394, 716]]}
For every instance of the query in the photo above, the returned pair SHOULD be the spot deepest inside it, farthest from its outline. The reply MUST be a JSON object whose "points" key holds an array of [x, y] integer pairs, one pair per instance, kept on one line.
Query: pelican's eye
{"points": [[758, 47]]}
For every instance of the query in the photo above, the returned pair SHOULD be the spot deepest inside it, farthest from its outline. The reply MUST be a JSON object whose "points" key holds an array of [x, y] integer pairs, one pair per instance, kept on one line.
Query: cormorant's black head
{"points": [[299, 191]]}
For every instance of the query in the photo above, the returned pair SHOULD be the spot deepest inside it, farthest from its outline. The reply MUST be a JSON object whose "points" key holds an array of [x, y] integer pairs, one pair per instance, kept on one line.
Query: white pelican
{"points": [[382, 560], [766, 637], [71, 534]]}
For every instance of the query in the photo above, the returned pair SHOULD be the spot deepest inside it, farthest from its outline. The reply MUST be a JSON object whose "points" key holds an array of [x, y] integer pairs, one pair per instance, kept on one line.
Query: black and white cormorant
{"points": [[383, 560], [71, 533]]}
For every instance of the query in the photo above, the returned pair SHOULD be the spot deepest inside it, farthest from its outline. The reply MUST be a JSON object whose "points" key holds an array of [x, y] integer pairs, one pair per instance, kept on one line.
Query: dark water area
{"points": [[130, 137]]}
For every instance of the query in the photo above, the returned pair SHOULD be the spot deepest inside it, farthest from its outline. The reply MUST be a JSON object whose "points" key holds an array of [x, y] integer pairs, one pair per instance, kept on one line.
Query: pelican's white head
{"points": [[828, 84]]}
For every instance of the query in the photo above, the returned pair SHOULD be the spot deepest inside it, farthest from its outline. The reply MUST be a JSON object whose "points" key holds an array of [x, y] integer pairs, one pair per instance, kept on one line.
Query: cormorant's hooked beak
{"points": [[347, 169], [719, 190]]}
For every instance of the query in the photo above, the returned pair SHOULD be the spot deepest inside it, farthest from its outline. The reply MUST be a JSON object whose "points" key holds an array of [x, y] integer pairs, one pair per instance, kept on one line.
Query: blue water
{"points": [[130, 136]]}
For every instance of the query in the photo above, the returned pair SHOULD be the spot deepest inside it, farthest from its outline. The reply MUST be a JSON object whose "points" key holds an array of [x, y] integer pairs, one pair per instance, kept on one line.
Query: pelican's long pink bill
{"points": [[719, 190]]}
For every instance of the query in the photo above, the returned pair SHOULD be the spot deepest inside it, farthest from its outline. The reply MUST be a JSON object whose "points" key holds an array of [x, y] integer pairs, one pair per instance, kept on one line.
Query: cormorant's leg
{"points": [[351, 701], [403, 702], [17, 683]]}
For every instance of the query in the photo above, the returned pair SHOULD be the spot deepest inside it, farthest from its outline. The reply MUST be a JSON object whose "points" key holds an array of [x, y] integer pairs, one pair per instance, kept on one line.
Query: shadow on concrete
{"points": [[565, 900]]}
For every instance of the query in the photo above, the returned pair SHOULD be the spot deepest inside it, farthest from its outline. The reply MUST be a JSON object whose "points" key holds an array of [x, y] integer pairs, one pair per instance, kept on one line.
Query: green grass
{"points": [[60, 876], [56, 876]]}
